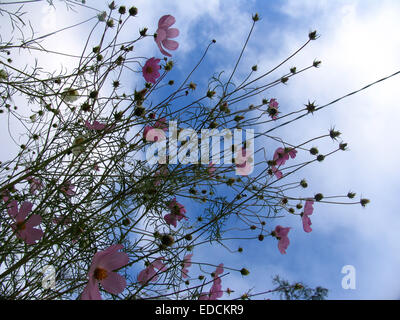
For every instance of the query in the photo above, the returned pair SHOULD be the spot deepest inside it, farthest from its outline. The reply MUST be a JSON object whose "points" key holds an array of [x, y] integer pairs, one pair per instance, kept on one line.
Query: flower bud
{"points": [[314, 151], [244, 272], [133, 11], [318, 197], [364, 202]]}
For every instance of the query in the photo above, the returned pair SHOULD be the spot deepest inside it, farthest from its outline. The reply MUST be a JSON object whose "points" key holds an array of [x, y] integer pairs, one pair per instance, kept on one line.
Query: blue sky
{"points": [[359, 44]]}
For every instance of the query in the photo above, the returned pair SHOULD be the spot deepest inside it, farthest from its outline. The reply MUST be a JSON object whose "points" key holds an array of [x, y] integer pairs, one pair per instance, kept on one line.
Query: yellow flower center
{"points": [[100, 274]]}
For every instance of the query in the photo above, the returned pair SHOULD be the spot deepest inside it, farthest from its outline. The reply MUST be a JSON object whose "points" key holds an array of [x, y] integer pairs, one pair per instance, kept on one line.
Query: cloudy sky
{"points": [[358, 45]]}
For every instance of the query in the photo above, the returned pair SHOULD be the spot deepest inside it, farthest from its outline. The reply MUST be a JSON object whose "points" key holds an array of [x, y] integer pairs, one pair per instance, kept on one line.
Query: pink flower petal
{"points": [[172, 33], [166, 21], [33, 221], [114, 283], [170, 44], [91, 291]]}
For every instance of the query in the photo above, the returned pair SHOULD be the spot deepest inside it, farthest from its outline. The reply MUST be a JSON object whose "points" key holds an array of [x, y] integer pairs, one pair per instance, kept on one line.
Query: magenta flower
{"points": [[95, 126], [187, 262], [25, 227], [35, 184], [164, 33], [308, 210], [101, 271], [280, 156], [177, 213], [149, 273], [150, 70], [281, 234], [68, 188], [273, 109]]}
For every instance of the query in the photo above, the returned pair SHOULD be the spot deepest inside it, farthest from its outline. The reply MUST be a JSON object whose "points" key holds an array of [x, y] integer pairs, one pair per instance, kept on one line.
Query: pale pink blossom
{"points": [[101, 271], [177, 213], [161, 124], [151, 69], [187, 262], [149, 273], [164, 33], [308, 210], [23, 227], [281, 234], [35, 184], [95, 126]]}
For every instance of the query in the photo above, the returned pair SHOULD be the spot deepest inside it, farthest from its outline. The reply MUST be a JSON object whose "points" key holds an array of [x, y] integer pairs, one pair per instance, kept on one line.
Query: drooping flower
{"points": [[308, 210], [177, 213], [187, 262], [101, 271], [164, 33], [278, 174], [216, 288], [149, 273], [292, 153], [68, 188], [35, 184], [151, 69], [95, 126], [281, 234], [273, 109], [25, 227]]}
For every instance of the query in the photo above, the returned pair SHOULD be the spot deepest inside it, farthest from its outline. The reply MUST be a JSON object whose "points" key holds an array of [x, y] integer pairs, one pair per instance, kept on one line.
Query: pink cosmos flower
{"points": [[150, 70], [187, 262], [25, 227], [273, 109], [165, 33], [308, 210], [95, 126], [216, 289], [281, 234], [101, 271], [35, 184], [177, 213], [280, 156], [149, 273], [68, 188]]}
